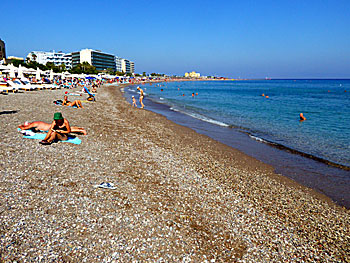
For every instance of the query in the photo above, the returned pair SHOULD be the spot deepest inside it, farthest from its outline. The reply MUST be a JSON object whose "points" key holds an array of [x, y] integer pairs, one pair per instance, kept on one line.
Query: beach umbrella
{"points": [[20, 72], [37, 74], [29, 71], [12, 71], [66, 75], [51, 74], [3, 67], [90, 77]]}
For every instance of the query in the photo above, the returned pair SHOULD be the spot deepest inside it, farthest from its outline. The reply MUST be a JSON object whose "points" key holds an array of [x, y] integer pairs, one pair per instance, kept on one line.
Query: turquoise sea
{"points": [[238, 107]]}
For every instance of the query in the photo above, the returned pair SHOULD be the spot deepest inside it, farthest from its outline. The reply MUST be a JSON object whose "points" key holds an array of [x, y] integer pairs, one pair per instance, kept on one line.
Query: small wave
{"points": [[201, 117], [257, 138], [132, 91], [161, 98], [173, 109], [219, 123]]}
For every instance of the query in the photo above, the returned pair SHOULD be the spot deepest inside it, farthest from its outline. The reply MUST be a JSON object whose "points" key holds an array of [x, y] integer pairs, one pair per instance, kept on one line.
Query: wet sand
{"points": [[179, 195]]}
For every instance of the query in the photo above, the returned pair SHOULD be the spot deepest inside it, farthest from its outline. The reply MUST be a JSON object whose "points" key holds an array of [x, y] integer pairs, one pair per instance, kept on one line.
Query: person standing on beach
{"points": [[134, 102], [141, 97]]}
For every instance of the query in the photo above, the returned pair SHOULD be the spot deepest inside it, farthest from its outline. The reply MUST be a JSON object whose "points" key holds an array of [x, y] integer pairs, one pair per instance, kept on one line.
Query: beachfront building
{"points": [[2, 50], [132, 67], [58, 58], [118, 64], [128, 66], [192, 74], [124, 65], [98, 59]]}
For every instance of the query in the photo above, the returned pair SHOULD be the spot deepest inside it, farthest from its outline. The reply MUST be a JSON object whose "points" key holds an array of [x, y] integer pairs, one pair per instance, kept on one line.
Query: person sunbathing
{"points": [[76, 103], [59, 130], [43, 126], [94, 88]]}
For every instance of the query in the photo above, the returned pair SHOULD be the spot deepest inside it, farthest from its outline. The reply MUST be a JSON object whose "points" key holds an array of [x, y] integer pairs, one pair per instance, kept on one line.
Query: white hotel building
{"points": [[57, 58], [96, 58], [124, 65]]}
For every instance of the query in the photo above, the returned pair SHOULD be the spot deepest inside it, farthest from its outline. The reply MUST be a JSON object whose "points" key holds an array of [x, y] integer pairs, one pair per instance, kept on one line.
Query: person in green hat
{"points": [[58, 131]]}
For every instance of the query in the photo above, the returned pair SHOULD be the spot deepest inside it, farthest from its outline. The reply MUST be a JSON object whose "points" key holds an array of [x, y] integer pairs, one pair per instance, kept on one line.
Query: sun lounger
{"points": [[4, 89]]}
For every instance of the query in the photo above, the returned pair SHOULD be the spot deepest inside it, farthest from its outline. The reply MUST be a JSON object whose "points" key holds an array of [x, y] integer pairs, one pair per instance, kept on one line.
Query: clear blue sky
{"points": [[247, 39]]}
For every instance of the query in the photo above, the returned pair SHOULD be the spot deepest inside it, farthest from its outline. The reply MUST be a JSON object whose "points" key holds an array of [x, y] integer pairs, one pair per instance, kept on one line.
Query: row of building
{"points": [[97, 58], [100, 60], [2, 50]]}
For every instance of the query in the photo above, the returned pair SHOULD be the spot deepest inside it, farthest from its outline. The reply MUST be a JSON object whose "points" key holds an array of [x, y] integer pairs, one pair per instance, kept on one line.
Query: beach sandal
{"points": [[106, 186], [45, 142]]}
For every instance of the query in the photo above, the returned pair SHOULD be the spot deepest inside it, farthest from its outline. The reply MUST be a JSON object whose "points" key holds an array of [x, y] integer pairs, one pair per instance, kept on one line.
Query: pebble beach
{"points": [[179, 196]]}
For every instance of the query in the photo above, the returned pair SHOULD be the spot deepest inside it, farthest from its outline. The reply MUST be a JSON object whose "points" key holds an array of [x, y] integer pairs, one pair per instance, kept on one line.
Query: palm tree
{"points": [[34, 57]]}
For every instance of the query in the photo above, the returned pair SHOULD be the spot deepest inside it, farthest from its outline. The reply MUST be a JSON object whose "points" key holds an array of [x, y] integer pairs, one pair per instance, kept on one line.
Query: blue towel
{"points": [[88, 91], [41, 136]]}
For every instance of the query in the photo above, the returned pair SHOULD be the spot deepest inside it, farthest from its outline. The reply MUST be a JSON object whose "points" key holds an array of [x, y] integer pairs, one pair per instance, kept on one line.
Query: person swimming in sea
{"points": [[302, 117]]}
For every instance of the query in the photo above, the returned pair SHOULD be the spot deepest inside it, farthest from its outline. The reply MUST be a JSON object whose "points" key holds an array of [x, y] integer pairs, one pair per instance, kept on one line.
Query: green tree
{"points": [[51, 65], [157, 74], [108, 71], [62, 68], [119, 73], [35, 65], [84, 67], [144, 74], [15, 62]]}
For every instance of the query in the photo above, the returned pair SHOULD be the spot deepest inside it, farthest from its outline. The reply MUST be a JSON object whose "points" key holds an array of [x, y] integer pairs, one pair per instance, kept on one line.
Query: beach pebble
{"points": [[179, 197]]}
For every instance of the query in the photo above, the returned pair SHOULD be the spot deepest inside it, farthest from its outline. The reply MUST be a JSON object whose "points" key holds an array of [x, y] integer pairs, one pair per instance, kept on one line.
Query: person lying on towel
{"points": [[76, 103], [43, 126]]}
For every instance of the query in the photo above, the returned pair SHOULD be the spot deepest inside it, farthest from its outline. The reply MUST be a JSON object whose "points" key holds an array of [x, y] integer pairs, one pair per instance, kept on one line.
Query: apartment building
{"points": [[2, 50], [96, 58], [57, 58]]}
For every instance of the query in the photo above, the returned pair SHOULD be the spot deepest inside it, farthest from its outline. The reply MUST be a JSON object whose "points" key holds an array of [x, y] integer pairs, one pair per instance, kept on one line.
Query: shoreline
{"points": [[179, 195], [302, 168], [266, 168], [274, 144]]}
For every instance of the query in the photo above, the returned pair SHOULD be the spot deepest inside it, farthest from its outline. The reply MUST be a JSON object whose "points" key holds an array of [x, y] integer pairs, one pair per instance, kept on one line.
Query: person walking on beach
{"points": [[134, 101], [141, 97], [59, 130]]}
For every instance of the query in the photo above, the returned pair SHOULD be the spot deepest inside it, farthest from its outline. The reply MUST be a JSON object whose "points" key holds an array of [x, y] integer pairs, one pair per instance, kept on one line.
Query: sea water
{"points": [[239, 107]]}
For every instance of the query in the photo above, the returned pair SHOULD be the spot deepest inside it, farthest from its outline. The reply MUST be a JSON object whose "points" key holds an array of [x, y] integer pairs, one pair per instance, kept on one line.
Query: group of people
{"points": [[58, 130]]}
